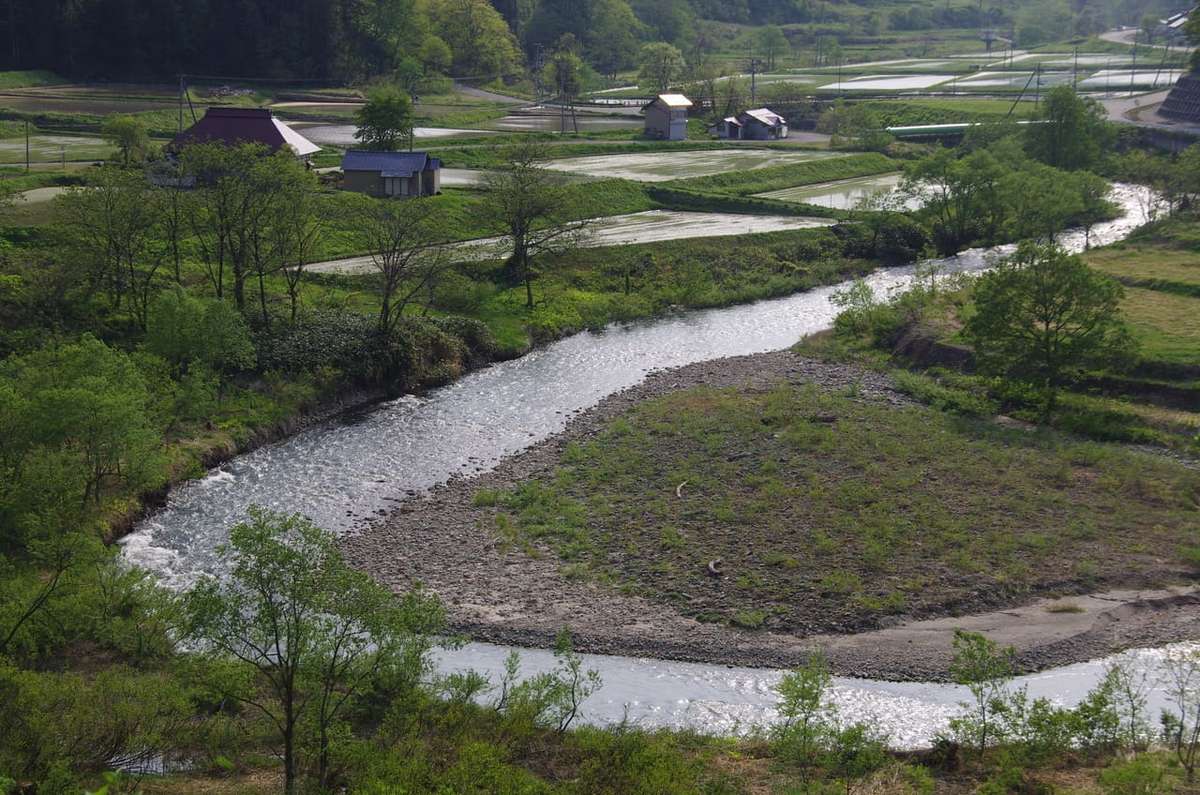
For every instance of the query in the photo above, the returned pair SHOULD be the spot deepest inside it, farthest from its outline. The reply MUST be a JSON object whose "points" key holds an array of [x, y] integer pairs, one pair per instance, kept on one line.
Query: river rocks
{"points": [[498, 591]]}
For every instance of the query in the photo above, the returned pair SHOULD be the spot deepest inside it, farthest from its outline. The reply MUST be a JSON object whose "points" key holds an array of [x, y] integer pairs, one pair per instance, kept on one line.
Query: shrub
{"points": [[1142, 775], [956, 400]]}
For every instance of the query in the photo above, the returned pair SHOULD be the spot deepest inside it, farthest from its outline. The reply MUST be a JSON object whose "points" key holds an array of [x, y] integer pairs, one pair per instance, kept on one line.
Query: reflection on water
{"points": [[730, 700], [341, 473]]}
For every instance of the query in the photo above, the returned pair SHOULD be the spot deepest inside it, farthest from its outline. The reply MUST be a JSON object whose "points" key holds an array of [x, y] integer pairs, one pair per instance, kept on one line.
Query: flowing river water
{"points": [[355, 469]]}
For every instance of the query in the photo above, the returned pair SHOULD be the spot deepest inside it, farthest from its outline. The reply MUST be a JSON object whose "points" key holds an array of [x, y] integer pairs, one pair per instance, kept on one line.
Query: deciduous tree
{"points": [[1069, 132], [1045, 317], [293, 632], [385, 121], [662, 65], [530, 206], [405, 240], [129, 135]]}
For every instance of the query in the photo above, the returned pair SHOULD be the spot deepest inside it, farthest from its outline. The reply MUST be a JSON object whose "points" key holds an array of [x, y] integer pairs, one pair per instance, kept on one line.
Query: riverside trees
{"points": [[1045, 317], [298, 635], [529, 205]]}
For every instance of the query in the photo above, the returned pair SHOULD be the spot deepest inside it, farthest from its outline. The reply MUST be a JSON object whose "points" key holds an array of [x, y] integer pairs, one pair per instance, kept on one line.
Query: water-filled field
{"points": [[618, 230], [843, 194], [553, 123], [343, 134], [52, 148], [661, 166]]}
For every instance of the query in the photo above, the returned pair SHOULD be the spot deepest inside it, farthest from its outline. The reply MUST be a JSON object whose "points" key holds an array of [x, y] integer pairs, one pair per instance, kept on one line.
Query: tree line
{"points": [[325, 40], [354, 40]]}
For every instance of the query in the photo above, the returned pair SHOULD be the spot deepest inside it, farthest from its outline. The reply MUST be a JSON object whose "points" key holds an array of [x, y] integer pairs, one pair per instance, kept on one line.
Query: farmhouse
{"points": [[383, 174], [666, 117], [234, 126], [752, 125]]}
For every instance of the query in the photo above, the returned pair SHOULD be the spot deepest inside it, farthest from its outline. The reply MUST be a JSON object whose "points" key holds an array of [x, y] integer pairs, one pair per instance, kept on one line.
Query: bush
{"points": [[1140, 776], [324, 338], [946, 398]]}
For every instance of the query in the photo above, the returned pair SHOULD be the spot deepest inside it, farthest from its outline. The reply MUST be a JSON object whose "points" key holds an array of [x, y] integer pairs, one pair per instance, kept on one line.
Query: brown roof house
{"points": [[666, 117], [234, 126], [752, 125], [386, 174]]}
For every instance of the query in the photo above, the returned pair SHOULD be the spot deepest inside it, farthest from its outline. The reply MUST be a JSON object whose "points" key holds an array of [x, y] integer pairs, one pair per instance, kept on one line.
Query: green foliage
{"points": [[986, 670], [385, 120], [186, 331], [1142, 775], [854, 125], [661, 65], [806, 713], [1044, 316], [946, 397], [57, 724], [294, 622], [83, 412], [1073, 133], [128, 134]]}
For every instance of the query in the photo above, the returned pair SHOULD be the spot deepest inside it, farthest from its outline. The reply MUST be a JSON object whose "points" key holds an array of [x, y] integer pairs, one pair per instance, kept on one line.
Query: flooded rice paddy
{"points": [[665, 166], [343, 134], [843, 194], [618, 230]]}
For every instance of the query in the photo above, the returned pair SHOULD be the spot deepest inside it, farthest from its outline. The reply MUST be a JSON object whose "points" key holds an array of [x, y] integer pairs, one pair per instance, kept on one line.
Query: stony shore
{"points": [[496, 593]]}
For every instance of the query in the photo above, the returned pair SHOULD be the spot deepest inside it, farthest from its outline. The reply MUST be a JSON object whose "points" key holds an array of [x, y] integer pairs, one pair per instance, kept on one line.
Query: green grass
{"points": [[884, 509], [51, 148], [1155, 267], [772, 178], [1166, 325], [897, 113], [29, 79]]}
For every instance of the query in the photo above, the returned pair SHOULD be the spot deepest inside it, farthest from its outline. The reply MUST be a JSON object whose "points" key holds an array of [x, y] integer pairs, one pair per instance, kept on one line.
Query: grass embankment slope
{"points": [[829, 512], [1160, 268], [1156, 400]]}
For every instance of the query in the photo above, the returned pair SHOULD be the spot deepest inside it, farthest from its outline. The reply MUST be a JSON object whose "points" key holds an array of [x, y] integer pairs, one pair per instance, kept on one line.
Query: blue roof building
{"points": [[391, 174]]}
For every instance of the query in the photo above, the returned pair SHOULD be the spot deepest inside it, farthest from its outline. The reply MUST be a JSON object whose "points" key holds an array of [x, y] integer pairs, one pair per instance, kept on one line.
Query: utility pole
{"points": [[1133, 71], [754, 63], [1037, 89], [182, 89], [27, 146], [1075, 71]]}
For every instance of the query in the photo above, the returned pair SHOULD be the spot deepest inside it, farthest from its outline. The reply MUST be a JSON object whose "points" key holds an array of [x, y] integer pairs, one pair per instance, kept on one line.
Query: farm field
{"points": [[843, 194], [553, 123], [44, 148], [650, 226], [1134, 262], [342, 135], [665, 166]]}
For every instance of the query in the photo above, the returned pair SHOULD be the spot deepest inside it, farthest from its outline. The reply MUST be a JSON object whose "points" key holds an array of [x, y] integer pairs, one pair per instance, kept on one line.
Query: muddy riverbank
{"points": [[497, 593]]}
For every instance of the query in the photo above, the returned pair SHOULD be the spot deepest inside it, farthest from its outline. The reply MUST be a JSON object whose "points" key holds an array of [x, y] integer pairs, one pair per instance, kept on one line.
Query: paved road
{"points": [[1121, 108], [1127, 35], [489, 96]]}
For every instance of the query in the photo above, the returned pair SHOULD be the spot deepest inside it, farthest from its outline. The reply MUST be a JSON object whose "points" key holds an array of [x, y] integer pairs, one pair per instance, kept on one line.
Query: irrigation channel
{"points": [[354, 470]]}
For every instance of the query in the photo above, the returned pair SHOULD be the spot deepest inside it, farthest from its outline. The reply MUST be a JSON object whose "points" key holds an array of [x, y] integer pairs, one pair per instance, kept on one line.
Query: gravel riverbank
{"points": [[504, 595]]}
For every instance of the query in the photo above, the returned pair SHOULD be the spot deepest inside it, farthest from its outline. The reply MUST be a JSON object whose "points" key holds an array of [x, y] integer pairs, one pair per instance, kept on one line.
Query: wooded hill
{"points": [[353, 40]]}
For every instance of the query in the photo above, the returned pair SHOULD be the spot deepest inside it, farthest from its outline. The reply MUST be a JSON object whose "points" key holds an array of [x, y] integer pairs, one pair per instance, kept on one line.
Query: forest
{"points": [[348, 40]]}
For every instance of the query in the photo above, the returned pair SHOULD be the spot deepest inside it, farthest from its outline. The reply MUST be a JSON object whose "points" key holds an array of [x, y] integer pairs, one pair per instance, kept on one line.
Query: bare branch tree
{"points": [[531, 207], [406, 249]]}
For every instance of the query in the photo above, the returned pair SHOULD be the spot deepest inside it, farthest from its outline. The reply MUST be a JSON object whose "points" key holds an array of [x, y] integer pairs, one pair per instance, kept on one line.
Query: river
{"points": [[356, 469]]}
